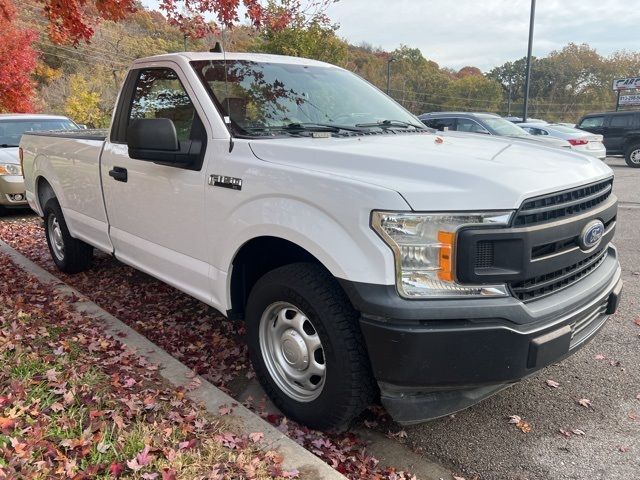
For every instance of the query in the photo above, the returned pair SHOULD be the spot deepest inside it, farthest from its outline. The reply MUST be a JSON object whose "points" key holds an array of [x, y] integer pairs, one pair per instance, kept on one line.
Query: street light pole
{"points": [[527, 75]]}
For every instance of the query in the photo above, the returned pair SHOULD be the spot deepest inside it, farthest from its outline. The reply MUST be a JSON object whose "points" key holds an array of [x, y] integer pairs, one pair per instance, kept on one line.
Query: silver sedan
{"points": [[581, 141]]}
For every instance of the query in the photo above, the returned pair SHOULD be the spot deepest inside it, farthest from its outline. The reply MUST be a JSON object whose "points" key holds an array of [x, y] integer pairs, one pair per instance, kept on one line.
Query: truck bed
{"points": [[80, 134], [70, 161]]}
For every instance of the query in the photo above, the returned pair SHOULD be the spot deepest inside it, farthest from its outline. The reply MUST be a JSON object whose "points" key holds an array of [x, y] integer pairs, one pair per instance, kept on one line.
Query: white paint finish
{"points": [[157, 217], [327, 215], [465, 172], [71, 168]]}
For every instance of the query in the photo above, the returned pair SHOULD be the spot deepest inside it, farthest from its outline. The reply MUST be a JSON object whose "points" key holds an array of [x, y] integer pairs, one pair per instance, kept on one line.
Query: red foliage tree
{"points": [[72, 21], [18, 63]]}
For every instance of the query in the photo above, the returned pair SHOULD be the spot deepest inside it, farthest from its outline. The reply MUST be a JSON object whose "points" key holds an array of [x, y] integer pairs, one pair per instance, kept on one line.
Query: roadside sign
{"points": [[630, 99], [631, 83]]}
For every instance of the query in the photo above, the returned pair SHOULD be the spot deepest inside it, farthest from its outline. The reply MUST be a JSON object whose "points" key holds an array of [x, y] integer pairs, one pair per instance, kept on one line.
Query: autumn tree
{"points": [[83, 104], [306, 34], [474, 93], [18, 62]]}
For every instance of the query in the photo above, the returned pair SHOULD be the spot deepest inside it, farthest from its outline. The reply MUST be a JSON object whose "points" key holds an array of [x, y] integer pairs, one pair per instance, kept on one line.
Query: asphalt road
{"points": [[479, 442]]}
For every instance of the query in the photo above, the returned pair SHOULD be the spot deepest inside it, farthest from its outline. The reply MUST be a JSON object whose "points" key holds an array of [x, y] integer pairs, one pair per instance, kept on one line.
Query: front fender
{"points": [[344, 244]]}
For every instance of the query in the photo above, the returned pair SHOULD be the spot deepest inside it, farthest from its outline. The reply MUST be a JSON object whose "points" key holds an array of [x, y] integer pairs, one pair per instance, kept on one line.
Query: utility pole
{"points": [[391, 59], [509, 101], [527, 75], [185, 36]]}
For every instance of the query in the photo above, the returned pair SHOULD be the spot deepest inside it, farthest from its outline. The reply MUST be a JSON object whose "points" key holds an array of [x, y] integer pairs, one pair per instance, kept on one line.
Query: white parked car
{"points": [[12, 127], [368, 256], [580, 140]]}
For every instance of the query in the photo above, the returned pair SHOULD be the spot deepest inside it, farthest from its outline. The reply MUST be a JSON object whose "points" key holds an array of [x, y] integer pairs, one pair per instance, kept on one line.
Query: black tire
{"points": [[76, 255], [349, 386], [632, 156]]}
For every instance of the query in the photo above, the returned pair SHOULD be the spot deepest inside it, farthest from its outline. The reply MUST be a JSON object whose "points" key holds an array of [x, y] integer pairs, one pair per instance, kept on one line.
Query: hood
{"points": [[9, 155], [460, 173], [546, 140]]}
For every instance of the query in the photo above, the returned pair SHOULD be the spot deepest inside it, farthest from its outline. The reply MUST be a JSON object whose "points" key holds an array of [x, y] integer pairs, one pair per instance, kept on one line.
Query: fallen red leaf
{"points": [[7, 424], [116, 469]]}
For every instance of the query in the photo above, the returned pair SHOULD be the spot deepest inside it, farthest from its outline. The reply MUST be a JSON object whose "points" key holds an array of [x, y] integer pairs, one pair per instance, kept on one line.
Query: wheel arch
{"points": [[255, 258], [44, 192]]}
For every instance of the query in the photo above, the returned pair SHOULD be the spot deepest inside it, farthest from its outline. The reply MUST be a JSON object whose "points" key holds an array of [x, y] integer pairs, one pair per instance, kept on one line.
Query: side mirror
{"points": [[156, 140], [148, 138]]}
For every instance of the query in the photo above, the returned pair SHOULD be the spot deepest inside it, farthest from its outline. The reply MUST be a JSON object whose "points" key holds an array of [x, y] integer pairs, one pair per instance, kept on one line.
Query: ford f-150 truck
{"points": [[369, 256]]}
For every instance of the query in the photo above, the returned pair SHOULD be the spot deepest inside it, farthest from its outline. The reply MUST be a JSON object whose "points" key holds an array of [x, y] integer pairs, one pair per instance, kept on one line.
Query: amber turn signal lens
{"points": [[446, 240]]}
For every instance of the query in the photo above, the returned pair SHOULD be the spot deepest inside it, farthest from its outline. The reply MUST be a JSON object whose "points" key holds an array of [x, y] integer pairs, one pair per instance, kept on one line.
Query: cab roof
{"points": [[254, 57]]}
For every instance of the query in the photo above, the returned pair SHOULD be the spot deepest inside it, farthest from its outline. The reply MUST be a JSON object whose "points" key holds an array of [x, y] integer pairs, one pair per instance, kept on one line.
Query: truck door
{"points": [[155, 211], [616, 129]]}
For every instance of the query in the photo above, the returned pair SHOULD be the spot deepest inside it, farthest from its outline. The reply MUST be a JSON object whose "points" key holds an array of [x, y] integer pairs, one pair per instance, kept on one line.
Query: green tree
{"points": [[474, 93], [83, 105]]}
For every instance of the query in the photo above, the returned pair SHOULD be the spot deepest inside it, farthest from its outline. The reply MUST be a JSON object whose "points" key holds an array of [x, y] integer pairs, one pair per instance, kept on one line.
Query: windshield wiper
{"points": [[306, 127], [391, 124], [6, 145]]}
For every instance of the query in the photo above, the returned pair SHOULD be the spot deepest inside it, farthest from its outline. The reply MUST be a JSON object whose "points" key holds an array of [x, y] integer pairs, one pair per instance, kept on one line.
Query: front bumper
{"points": [[434, 357], [11, 185]]}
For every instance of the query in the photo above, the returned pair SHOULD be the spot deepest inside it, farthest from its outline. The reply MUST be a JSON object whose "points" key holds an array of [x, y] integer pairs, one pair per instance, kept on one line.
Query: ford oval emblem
{"points": [[591, 235]]}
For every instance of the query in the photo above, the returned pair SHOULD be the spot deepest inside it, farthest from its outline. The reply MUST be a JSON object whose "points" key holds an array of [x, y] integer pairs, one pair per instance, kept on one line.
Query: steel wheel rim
{"points": [[635, 156], [292, 351], [55, 237]]}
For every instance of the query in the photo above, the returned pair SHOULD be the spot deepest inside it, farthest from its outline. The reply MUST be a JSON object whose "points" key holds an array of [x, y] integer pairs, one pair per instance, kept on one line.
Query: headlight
{"points": [[424, 249], [10, 169]]}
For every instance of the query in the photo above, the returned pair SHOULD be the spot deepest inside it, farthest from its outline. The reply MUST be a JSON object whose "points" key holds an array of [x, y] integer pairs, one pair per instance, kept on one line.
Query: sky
{"points": [[484, 33], [487, 33]]}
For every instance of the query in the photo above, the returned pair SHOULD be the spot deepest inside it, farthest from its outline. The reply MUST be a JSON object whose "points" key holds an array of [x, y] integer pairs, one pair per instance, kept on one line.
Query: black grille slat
{"points": [[543, 285], [563, 204], [485, 255]]}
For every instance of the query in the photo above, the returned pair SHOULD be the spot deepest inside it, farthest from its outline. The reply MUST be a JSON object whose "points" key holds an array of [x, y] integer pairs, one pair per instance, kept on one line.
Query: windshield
{"points": [[11, 130], [261, 96], [503, 127]]}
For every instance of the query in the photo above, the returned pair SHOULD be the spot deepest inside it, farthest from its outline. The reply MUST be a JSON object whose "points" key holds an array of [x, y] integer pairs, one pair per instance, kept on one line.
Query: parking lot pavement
{"points": [[480, 441]]}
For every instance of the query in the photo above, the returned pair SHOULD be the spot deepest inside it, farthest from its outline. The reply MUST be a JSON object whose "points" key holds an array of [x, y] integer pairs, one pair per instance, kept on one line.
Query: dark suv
{"points": [[621, 132]]}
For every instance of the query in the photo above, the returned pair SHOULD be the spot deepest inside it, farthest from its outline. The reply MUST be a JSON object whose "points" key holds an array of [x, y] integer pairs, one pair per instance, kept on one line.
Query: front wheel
{"points": [[69, 254], [306, 347], [632, 156]]}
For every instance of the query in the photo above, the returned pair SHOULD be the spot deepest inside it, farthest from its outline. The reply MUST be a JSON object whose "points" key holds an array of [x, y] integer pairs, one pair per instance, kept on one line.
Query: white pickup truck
{"points": [[369, 257]]}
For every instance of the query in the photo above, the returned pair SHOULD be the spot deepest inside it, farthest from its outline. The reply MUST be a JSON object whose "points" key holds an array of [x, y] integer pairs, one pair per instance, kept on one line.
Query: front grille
{"points": [[537, 287], [562, 204]]}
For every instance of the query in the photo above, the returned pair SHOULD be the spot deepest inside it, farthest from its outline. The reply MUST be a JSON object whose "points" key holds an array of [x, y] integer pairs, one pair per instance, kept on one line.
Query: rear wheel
{"points": [[306, 347], [632, 156], [69, 254]]}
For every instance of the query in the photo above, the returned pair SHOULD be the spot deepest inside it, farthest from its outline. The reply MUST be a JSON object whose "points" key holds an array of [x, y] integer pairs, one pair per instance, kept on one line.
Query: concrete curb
{"points": [[295, 456]]}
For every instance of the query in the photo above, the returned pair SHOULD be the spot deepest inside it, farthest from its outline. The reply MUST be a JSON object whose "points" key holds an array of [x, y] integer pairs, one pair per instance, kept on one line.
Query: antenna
{"points": [[218, 48]]}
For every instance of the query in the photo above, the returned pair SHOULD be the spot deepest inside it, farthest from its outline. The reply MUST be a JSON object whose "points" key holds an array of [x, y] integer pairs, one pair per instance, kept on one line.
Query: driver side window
{"points": [[159, 93]]}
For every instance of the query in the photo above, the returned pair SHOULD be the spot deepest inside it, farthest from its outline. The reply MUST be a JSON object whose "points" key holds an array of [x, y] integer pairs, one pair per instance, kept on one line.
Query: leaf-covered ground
{"points": [[195, 334], [76, 403]]}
